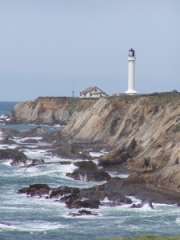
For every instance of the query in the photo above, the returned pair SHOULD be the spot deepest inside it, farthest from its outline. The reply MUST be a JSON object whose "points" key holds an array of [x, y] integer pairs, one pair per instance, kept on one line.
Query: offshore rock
{"points": [[88, 171], [36, 190], [12, 154], [6, 140], [84, 204], [82, 213], [26, 162], [69, 151]]}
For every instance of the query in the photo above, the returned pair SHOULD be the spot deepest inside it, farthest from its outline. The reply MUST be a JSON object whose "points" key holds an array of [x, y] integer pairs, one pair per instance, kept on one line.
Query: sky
{"points": [[52, 47]]}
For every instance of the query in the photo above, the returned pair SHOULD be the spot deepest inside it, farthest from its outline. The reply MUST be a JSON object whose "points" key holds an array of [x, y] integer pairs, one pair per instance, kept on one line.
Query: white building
{"points": [[92, 92], [131, 72]]}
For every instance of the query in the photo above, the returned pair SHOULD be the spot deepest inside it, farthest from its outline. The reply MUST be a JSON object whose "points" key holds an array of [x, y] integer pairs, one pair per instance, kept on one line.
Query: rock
{"points": [[120, 155], [34, 132], [6, 140], [35, 190], [26, 162], [87, 176], [82, 213], [30, 141], [136, 205], [67, 151], [86, 166], [88, 171], [83, 204], [64, 190], [10, 132], [118, 197], [12, 154]]}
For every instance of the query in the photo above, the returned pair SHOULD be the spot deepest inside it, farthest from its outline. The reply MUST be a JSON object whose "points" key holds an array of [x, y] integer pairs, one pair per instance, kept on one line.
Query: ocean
{"points": [[23, 217]]}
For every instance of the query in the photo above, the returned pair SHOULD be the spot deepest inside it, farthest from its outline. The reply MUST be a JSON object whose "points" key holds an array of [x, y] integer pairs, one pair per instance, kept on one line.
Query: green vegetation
{"points": [[176, 128], [72, 104], [165, 97], [147, 237], [124, 97]]}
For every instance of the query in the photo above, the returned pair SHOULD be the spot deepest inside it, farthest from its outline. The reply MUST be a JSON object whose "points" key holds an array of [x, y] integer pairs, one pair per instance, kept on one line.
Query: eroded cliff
{"points": [[142, 130]]}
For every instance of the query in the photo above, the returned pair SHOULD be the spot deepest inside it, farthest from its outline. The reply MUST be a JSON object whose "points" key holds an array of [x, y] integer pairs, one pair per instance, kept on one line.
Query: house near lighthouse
{"points": [[93, 92]]}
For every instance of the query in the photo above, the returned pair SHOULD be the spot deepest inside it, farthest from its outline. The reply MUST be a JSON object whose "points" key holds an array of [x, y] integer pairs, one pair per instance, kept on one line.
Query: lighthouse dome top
{"points": [[131, 53]]}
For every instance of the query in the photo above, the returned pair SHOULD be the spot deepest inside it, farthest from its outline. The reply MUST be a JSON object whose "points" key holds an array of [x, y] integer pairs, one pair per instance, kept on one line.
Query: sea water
{"points": [[23, 217]]}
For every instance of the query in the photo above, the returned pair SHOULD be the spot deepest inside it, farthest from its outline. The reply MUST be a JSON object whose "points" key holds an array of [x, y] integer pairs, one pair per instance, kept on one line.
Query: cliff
{"points": [[47, 110], [142, 130]]}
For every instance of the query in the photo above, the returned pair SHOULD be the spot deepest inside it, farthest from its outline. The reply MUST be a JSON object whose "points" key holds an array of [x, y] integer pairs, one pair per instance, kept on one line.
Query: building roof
{"points": [[88, 89]]}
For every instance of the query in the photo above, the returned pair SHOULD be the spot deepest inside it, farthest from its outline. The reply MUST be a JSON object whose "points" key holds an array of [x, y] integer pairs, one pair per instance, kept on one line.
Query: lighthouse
{"points": [[131, 72]]}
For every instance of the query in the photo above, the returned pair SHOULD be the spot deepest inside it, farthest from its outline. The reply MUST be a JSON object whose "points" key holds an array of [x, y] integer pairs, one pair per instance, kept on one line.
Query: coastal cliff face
{"points": [[46, 110], [142, 130]]}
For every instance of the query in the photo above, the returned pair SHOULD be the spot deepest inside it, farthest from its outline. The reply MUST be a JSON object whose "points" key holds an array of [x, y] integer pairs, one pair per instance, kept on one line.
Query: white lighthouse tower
{"points": [[131, 72]]}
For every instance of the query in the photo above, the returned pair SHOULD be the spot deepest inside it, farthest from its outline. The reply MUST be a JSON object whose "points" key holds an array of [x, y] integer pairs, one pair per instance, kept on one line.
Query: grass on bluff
{"points": [[147, 237], [176, 128]]}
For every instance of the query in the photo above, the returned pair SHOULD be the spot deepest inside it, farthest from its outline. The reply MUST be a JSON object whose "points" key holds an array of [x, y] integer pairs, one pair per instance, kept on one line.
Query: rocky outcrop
{"points": [[88, 171], [26, 162], [113, 193], [82, 213], [35, 190], [48, 110], [12, 154], [69, 151], [142, 130]]}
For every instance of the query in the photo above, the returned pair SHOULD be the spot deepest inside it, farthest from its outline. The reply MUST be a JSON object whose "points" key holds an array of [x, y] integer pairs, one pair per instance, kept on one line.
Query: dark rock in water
{"points": [[86, 176], [6, 140], [12, 154], [30, 141], [136, 205], [27, 162], [60, 162], [35, 162], [33, 132], [82, 213], [140, 205], [84, 204], [10, 132], [63, 190], [88, 171], [119, 197], [69, 151], [74, 200], [35, 190], [86, 166]]}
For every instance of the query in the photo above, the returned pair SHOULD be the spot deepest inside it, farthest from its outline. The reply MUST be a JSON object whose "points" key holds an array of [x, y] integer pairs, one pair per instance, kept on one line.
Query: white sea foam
{"points": [[121, 175], [1, 135], [7, 163], [5, 146], [95, 161], [134, 200], [95, 154], [146, 207], [33, 226]]}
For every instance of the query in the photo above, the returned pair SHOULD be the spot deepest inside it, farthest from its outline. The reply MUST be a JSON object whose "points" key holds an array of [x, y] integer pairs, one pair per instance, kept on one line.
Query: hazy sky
{"points": [[46, 45]]}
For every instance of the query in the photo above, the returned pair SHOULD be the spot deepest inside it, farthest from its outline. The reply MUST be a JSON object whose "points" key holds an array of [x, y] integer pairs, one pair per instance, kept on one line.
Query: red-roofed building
{"points": [[92, 92]]}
